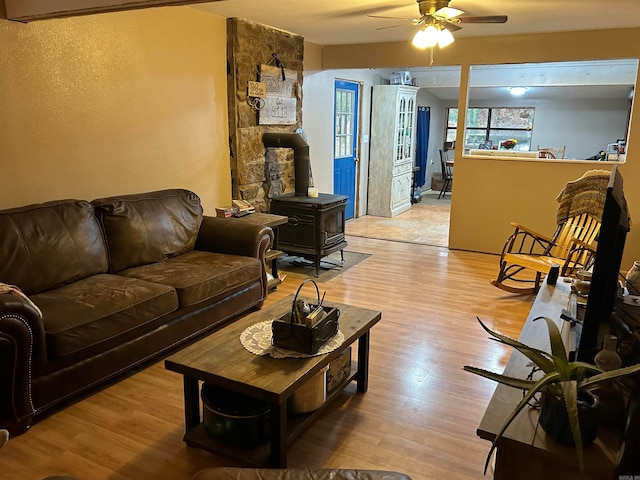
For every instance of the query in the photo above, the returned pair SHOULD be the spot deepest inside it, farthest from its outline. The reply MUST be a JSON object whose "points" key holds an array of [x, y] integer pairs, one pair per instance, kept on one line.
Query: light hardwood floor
{"points": [[426, 223], [419, 415]]}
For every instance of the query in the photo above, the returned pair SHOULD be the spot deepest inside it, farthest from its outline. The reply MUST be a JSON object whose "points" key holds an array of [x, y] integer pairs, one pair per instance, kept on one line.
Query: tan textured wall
{"points": [[312, 57], [114, 103], [489, 194]]}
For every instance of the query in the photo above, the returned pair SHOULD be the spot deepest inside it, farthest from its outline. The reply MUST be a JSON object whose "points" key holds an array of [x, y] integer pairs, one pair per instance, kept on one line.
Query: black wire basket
{"points": [[291, 334]]}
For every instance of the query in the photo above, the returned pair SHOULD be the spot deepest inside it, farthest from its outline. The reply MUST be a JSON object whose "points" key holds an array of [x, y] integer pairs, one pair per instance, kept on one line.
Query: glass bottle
{"points": [[633, 279], [608, 359]]}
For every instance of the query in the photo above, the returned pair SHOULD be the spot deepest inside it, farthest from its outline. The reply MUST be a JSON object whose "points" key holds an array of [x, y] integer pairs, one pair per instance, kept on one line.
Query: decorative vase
{"points": [[608, 359], [554, 419], [633, 279], [582, 283]]}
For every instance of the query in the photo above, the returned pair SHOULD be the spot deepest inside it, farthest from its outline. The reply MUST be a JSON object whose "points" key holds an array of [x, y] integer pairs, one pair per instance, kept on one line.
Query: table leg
{"points": [[362, 377], [191, 403], [279, 435]]}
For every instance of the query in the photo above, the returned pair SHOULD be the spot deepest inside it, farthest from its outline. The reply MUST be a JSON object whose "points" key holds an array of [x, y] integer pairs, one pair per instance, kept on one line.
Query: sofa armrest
{"points": [[235, 237], [22, 350], [228, 235]]}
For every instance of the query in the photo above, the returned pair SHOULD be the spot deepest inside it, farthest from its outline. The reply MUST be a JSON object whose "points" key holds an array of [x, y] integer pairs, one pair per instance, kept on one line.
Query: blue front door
{"points": [[345, 142]]}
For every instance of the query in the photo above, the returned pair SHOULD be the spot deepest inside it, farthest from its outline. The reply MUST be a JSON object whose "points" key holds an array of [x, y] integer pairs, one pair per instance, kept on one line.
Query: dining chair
{"points": [[556, 152], [447, 173], [527, 256]]}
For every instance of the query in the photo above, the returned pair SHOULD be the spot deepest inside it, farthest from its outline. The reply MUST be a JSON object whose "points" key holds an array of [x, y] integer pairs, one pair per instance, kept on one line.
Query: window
{"points": [[488, 127]]}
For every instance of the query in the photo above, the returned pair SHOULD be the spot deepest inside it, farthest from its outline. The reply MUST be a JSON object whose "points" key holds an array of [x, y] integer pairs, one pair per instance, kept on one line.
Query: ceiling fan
{"points": [[437, 21]]}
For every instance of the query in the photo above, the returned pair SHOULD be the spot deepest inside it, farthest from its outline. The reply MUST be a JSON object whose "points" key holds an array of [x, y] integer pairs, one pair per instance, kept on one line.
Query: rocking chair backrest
{"points": [[582, 227]]}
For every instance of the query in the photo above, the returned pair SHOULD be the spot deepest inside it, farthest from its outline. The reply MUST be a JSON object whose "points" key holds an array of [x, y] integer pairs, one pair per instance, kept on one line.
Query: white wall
{"points": [[317, 115]]}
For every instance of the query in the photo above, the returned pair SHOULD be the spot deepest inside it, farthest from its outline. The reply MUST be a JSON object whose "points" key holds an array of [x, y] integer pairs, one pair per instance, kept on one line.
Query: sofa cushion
{"points": [[199, 276], [100, 308], [49, 244], [149, 227]]}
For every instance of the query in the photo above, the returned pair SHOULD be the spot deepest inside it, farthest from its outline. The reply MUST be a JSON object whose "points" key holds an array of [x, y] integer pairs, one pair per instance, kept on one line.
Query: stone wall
{"points": [[256, 174]]}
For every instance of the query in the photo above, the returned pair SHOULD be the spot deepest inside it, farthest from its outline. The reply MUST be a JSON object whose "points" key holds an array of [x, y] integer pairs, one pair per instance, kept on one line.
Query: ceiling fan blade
{"points": [[392, 18], [448, 13], [452, 27], [359, 12], [484, 19], [394, 26]]}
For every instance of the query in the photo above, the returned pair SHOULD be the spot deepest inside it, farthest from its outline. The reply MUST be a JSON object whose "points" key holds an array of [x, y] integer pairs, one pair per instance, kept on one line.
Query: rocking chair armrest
{"points": [[580, 257], [576, 243], [531, 232]]}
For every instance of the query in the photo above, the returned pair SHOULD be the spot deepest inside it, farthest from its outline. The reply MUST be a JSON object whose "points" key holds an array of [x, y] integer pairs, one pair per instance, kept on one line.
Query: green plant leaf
{"points": [[537, 387], [570, 394], [601, 377], [557, 347], [579, 371], [500, 378], [540, 358]]}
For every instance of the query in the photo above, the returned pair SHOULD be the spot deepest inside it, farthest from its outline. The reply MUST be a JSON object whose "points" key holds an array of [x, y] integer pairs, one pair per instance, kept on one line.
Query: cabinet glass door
{"points": [[405, 127]]}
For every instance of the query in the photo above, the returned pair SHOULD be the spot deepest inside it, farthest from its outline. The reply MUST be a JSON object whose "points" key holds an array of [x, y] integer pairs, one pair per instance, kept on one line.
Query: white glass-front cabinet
{"points": [[392, 154]]}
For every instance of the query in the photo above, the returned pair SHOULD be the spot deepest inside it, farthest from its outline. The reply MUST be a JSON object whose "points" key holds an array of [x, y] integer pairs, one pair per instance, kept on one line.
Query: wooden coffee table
{"points": [[221, 360]]}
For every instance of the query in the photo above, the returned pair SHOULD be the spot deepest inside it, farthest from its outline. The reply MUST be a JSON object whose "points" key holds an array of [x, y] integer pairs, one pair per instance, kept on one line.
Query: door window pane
{"points": [[344, 123]]}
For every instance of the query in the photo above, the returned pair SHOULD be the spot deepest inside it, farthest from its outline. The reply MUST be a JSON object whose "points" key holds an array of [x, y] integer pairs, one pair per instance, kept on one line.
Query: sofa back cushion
{"points": [[50, 244], [149, 227]]}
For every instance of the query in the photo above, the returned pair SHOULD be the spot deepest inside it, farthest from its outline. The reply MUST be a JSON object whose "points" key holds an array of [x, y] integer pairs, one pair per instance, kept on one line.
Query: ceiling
{"points": [[328, 22], [334, 22]]}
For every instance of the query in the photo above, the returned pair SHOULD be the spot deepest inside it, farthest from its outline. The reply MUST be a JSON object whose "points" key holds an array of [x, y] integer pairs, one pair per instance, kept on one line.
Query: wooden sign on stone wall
{"points": [[281, 101]]}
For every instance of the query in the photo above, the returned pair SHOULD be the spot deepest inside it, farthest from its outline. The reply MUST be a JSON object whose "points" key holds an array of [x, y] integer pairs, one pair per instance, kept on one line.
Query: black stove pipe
{"points": [[301, 162]]}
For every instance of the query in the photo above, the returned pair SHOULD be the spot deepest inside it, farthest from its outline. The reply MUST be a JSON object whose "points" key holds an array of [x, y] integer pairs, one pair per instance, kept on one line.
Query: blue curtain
{"points": [[422, 144]]}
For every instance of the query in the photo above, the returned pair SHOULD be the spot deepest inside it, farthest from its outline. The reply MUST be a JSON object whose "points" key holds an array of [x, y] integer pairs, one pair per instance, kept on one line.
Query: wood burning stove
{"points": [[315, 227]]}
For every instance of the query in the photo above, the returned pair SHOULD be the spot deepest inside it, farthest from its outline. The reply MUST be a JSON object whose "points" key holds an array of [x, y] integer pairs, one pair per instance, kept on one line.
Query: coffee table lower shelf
{"points": [[261, 456]]}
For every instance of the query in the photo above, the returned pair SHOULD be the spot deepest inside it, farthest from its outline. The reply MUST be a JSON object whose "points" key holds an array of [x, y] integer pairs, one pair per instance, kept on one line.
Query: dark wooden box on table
{"points": [[303, 338]]}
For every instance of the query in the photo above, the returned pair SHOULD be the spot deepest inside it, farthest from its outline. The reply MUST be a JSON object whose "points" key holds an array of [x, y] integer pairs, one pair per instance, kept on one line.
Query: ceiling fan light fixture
{"points": [[426, 37], [445, 38], [517, 91], [418, 40]]}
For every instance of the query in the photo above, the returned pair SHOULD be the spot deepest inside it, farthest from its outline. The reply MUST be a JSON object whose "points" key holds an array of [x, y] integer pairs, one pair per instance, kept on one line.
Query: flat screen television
{"points": [[603, 292]]}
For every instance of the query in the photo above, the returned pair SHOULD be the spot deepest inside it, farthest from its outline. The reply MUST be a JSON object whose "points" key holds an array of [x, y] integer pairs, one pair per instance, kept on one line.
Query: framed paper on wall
{"points": [[281, 101]]}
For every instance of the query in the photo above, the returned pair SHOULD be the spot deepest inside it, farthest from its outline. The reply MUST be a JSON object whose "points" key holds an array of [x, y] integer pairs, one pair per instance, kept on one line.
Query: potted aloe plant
{"points": [[563, 384]]}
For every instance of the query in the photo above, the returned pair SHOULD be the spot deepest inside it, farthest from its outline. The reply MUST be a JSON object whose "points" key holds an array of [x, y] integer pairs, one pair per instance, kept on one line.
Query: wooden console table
{"points": [[525, 451]]}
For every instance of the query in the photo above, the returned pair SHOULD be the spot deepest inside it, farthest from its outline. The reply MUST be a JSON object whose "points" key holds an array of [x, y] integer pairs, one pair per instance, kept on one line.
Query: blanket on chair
{"points": [[583, 195]]}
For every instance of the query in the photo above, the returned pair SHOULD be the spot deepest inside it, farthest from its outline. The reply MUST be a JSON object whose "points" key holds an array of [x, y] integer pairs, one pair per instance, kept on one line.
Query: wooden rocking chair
{"points": [[527, 256]]}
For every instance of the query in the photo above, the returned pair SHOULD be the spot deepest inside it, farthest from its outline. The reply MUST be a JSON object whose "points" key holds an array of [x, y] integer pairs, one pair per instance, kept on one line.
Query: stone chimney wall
{"points": [[258, 175]]}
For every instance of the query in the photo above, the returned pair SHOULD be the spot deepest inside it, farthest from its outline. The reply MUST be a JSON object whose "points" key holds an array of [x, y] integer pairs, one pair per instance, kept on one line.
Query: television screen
{"points": [[606, 268]]}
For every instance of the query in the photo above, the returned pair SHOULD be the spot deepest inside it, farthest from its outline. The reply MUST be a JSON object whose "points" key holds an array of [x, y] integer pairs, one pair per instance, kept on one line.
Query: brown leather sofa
{"points": [[119, 282], [225, 473]]}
